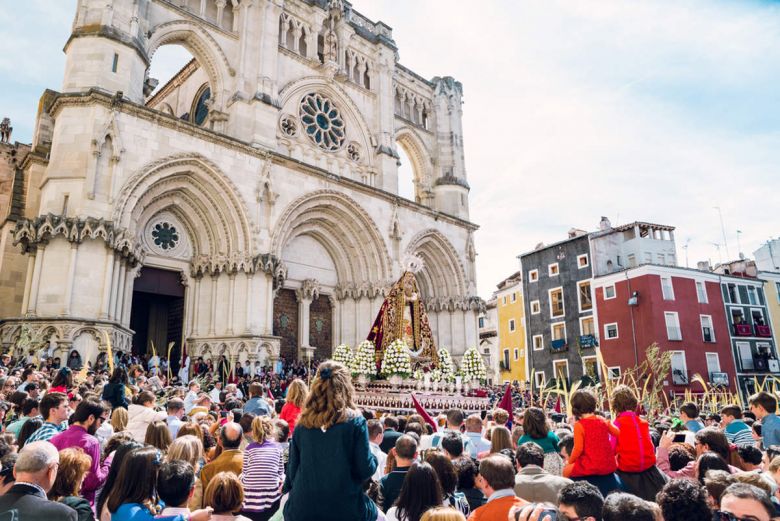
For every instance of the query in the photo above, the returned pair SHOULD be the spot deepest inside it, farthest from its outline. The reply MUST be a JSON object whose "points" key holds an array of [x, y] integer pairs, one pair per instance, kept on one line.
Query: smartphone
{"points": [[548, 514], [679, 437], [223, 414]]}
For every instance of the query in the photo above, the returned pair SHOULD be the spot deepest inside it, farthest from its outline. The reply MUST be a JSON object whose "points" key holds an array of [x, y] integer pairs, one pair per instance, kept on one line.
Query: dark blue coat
{"points": [[326, 473]]}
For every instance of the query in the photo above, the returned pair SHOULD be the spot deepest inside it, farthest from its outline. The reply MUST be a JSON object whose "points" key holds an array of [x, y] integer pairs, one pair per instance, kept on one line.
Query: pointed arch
{"points": [[443, 275], [422, 164], [343, 228], [199, 194], [202, 46]]}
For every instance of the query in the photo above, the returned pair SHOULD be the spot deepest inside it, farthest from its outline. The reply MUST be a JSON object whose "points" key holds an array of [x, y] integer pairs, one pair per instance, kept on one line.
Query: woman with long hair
{"points": [[74, 464], [330, 457], [114, 390], [119, 419], [158, 435], [500, 439], [537, 430], [189, 448], [134, 496], [263, 471], [448, 478], [420, 492], [63, 381], [119, 457], [297, 392], [28, 428]]}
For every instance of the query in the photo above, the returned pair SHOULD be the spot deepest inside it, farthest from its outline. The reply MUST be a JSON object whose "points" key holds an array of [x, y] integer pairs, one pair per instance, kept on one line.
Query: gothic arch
{"points": [[202, 46], [295, 90], [343, 228], [443, 275], [199, 194], [418, 154]]}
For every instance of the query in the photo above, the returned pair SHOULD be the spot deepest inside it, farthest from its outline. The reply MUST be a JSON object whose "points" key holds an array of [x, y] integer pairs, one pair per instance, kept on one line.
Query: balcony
{"points": [[743, 330], [680, 377], [559, 346], [718, 379], [763, 331], [587, 341]]}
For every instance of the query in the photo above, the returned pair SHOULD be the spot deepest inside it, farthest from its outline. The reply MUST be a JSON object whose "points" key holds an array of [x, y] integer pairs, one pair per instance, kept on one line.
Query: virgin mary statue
{"points": [[403, 316]]}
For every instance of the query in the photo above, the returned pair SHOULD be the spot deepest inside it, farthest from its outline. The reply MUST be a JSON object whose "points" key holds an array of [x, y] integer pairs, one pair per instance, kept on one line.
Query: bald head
{"points": [[230, 436], [37, 463]]}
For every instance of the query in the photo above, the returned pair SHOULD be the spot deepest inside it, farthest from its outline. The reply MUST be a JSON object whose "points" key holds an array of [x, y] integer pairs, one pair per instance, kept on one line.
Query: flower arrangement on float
{"points": [[446, 366], [396, 364], [364, 360], [343, 355], [472, 367], [363, 363]]}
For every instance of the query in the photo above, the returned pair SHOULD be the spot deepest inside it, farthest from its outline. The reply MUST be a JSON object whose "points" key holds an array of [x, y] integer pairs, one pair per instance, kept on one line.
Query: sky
{"points": [[658, 111]]}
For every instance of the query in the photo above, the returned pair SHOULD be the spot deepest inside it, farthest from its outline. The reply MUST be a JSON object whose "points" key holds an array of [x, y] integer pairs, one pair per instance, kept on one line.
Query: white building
{"points": [[488, 339], [250, 207], [630, 245], [768, 256]]}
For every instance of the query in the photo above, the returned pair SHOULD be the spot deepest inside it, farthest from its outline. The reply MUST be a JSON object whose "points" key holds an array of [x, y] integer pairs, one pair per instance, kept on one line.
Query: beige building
{"points": [[250, 206]]}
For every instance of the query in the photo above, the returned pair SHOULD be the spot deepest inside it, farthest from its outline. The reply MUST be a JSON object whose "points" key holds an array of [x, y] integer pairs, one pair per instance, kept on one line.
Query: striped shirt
{"points": [[47, 431], [739, 433], [262, 476]]}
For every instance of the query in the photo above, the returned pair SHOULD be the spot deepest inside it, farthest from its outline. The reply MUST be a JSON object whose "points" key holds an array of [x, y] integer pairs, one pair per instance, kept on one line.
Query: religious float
{"points": [[399, 358]]}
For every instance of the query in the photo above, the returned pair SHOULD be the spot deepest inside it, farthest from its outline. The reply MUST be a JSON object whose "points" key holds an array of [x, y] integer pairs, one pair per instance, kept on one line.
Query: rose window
{"points": [[322, 122], [165, 235]]}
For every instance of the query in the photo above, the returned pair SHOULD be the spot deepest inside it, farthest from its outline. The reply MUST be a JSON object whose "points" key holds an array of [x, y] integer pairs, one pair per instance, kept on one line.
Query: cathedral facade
{"points": [[249, 207]]}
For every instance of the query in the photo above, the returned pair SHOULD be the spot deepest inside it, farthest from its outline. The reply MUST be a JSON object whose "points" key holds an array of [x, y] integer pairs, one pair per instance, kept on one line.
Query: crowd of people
{"points": [[288, 443]]}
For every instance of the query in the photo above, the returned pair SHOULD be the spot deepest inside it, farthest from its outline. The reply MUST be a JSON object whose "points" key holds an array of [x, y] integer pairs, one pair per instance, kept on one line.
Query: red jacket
{"points": [[635, 450], [596, 457]]}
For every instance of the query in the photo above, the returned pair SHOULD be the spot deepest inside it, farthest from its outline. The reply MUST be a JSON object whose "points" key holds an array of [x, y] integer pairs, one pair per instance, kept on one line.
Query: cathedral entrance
{"points": [[320, 327], [157, 313], [286, 323]]}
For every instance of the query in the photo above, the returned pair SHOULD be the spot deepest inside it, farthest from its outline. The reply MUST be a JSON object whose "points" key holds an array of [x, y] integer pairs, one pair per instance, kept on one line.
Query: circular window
{"points": [[322, 122], [165, 235]]}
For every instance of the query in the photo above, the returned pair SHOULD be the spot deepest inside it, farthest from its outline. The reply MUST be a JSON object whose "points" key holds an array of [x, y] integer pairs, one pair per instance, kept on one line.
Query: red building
{"points": [[680, 309]]}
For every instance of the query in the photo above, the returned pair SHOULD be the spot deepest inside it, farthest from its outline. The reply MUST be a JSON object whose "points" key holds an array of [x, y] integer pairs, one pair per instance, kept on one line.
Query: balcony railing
{"points": [[587, 341], [763, 331], [559, 346], [743, 330], [719, 379]]}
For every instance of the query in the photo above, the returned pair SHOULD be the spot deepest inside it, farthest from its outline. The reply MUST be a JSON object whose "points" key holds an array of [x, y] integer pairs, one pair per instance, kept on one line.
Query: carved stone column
{"points": [[309, 290]]}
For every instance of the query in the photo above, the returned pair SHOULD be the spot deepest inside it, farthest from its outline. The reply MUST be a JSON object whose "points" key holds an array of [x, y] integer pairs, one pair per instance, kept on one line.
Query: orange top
{"points": [[498, 509]]}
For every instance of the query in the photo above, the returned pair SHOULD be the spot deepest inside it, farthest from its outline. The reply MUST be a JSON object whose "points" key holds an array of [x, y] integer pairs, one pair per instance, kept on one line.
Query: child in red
{"points": [[635, 450], [592, 459]]}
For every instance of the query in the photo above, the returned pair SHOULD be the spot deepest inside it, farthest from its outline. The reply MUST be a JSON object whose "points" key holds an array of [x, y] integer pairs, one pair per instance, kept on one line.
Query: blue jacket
{"points": [[326, 472]]}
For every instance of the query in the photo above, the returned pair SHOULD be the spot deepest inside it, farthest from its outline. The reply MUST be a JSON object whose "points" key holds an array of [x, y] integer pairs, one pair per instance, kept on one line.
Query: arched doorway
{"points": [[157, 313]]}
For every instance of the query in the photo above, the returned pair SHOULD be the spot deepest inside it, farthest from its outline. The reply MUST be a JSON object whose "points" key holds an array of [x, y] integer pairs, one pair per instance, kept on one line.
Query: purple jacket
{"points": [[77, 436]]}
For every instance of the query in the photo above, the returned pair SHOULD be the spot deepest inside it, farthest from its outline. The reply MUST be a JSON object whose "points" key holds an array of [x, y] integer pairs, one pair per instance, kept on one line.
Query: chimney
{"points": [[703, 266], [604, 224]]}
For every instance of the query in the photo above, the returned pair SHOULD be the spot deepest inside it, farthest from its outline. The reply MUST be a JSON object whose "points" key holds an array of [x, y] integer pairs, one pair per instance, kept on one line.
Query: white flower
{"points": [[363, 361], [396, 360], [343, 354], [472, 367]]}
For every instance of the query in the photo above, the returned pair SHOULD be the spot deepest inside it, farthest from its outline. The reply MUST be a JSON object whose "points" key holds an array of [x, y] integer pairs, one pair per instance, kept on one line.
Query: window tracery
{"points": [[322, 122]]}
